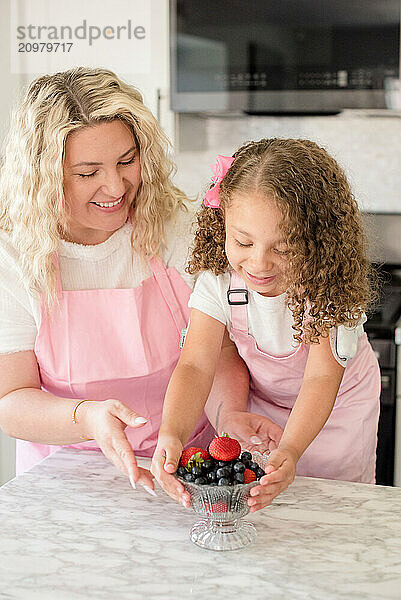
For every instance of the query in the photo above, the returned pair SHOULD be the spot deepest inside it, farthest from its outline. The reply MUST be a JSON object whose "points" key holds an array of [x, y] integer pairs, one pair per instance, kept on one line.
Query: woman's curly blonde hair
{"points": [[32, 206], [330, 280]]}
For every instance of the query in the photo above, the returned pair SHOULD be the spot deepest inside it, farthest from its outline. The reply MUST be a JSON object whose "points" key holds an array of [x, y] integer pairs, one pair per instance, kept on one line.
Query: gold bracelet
{"points": [[74, 416]]}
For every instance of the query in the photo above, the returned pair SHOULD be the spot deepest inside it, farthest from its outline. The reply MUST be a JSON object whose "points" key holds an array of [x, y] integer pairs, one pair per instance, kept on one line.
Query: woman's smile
{"points": [[110, 206]]}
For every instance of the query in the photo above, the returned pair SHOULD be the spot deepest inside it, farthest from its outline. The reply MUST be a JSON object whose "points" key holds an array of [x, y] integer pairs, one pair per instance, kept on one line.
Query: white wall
{"points": [[366, 144], [10, 85]]}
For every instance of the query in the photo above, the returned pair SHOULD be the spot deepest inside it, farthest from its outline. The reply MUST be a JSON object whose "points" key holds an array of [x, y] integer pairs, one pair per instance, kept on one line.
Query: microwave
{"points": [[283, 56]]}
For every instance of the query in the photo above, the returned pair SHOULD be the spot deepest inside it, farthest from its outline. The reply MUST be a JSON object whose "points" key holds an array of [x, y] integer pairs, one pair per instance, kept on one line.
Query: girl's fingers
{"points": [[272, 445], [261, 491], [174, 488], [260, 502], [168, 482], [274, 477], [172, 459]]}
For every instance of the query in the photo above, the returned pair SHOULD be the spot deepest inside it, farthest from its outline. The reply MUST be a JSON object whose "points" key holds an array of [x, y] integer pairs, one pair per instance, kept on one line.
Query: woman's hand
{"points": [[164, 463], [254, 432], [105, 422], [280, 473]]}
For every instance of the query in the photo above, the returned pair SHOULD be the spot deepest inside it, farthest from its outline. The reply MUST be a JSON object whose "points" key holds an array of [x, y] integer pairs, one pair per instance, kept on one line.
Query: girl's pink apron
{"points": [[346, 446], [115, 343]]}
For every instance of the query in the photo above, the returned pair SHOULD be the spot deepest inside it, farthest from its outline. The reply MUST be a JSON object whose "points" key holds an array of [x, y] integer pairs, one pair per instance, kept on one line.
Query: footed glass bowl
{"points": [[222, 508]]}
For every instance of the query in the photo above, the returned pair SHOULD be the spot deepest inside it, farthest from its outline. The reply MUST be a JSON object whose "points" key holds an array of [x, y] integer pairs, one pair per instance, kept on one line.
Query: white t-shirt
{"points": [[269, 318], [111, 264]]}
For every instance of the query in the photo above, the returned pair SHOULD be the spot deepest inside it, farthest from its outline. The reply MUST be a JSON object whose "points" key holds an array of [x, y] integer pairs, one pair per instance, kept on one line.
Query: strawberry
{"points": [[249, 476], [195, 456], [224, 448]]}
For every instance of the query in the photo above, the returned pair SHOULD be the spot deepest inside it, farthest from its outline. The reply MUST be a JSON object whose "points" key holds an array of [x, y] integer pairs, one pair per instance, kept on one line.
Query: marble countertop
{"points": [[72, 528]]}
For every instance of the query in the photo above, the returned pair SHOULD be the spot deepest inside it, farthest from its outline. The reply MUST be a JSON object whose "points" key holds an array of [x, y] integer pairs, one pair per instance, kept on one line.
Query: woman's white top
{"points": [[269, 318], [111, 264]]}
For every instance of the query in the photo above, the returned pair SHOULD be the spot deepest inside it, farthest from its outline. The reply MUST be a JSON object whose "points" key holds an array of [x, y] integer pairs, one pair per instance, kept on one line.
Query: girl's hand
{"points": [[280, 473], [105, 423], [164, 463], [254, 432]]}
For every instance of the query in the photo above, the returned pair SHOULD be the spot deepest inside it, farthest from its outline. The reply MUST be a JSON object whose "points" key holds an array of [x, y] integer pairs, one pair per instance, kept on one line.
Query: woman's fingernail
{"points": [[132, 482], [140, 420], [184, 502], [255, 440], [149, 490]]}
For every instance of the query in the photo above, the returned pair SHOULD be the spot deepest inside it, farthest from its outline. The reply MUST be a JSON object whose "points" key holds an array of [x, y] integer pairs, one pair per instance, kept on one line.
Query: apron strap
{"points": [[160, 273], [237, 297]]}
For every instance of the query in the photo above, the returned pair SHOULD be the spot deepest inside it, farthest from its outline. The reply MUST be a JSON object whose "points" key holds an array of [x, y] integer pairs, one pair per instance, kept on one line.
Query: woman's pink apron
{"points": [[345, 448], [115, 343]]}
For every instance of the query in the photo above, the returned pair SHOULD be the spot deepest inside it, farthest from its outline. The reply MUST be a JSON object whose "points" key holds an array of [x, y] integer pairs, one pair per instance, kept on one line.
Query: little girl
{"points": [[285, 273]]}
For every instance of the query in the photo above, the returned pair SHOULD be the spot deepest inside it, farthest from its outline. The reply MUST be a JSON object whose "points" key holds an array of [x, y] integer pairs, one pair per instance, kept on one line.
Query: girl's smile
{"points": [[254, 246], [260, 280]]}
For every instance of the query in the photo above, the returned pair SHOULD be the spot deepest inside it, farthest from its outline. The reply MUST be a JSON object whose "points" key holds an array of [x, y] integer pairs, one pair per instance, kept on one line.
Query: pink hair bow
{"points": [[220, 169]]}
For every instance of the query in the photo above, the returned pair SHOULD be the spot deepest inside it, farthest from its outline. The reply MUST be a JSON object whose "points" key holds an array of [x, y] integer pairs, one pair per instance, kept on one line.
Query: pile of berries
{"points": [[222, 464]]}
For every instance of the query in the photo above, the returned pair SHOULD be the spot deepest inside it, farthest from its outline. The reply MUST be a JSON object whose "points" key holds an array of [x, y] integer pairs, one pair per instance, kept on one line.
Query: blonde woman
{"points": [[93, 293]]}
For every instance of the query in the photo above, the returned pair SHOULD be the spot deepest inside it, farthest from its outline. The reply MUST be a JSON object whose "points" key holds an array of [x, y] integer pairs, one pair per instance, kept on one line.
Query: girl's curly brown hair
{"points": [[330, 279]]}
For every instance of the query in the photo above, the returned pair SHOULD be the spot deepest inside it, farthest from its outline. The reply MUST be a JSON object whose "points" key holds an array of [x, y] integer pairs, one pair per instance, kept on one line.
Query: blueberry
{"points": [[197, 471], [201, 480], [246, 456], [239, 467], [239, 478], [254, 466], [213, 483], [189, 477], [223, 481], [223, 472], [181, 471], [207, 465], [211, 476]]}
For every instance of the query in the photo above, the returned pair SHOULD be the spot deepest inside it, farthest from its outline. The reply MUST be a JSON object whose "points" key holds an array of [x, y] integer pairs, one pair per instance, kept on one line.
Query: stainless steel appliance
{"points": [[283, 56], [383, 332]]}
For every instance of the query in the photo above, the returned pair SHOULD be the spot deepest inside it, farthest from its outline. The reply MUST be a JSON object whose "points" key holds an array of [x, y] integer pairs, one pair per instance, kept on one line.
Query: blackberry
{"points": [[181, 471], [197, 471], [211, 476], [260, 472], [254, 466], [223, 463]]}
